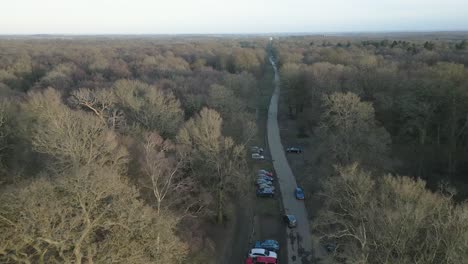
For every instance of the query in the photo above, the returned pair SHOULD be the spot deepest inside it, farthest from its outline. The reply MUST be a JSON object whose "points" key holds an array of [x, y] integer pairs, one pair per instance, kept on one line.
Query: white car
{"points": [[262, 181], [260, 252], [264, 177], [257, 156], [256, 149]]}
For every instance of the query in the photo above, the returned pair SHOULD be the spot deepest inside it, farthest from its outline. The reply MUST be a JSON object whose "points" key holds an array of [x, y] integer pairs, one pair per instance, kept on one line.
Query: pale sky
{"points": [[228, 16]]}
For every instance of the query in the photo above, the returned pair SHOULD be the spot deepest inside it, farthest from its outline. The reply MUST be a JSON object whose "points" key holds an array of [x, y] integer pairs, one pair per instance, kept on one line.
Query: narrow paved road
{"points": [[298, 239]]}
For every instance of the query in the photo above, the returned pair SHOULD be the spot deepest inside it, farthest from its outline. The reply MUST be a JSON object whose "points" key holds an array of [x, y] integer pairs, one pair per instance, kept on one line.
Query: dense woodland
{"points": [[122, 150], [130, 150], [377, 108]]}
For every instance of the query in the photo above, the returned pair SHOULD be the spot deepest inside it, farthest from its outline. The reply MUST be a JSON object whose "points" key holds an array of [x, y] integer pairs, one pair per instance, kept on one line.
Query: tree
{"points": [[149, 106], [61, 77], [245, 59], [224, 101], [418, 110], [390, 220], [87, 215], [163, 166], [6, 113], [293, 82], [101, 102], [71, 138], [349, 131], [217, 160], [4, 118], [455, 86]]}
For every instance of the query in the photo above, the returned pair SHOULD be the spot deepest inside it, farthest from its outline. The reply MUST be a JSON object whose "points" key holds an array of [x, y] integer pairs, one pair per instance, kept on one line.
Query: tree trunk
{"points": [[220, 215], [421, 151]]}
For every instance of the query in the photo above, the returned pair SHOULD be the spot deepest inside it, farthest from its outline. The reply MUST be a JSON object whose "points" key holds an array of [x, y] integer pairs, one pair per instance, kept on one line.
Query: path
{"points": [[299, 238]]}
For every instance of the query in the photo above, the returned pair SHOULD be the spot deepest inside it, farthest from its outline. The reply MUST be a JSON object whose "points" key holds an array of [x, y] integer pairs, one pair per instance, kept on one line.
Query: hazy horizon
{"points": [[119, 17]]}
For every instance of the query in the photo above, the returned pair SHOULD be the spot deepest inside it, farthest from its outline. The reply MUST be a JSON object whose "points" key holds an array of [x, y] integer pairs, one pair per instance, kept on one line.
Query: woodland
{"points": [[387, 117], [122, 150]]}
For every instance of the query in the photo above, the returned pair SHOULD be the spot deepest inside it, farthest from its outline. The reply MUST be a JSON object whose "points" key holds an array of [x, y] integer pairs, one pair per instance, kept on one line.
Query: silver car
{"points": [[257, 156], [263, 177], [261, 181]]}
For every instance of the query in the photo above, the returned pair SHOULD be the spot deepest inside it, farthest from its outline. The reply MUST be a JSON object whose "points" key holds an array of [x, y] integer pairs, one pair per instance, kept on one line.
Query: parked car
{"points": [[269, 244], [268, 173], [257, 156], [299, 193], [266, 186], [264, 177], [262, 181], [294, 150], [265, 192], [290, 220], [261, 252], [263, 174], [256, 149], [261, 260]]}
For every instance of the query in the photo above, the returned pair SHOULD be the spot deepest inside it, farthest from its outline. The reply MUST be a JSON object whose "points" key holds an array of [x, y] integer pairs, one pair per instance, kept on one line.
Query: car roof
{"points": [[298, 189], [291, 217]]}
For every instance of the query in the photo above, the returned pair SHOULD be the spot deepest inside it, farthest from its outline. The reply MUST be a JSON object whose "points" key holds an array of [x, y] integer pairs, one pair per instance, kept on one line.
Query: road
{"points": [[299, 240]]}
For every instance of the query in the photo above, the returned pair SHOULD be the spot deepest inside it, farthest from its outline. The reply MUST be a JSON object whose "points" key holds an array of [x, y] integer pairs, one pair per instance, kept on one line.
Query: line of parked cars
{"points": [[264, 252], [264, 183]]}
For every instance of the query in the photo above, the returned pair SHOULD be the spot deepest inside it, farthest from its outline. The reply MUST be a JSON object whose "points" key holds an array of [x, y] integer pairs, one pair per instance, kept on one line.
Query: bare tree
{"points": [[85, 216], [216, 159], [101, 102], [349, 130], [390, 220], [4, 130], [72, 138], [149, 106], [163, 165]]}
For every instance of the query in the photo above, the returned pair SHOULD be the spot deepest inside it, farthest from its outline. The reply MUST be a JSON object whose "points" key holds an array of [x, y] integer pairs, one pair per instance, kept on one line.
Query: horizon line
{"points": [[241, 33]]}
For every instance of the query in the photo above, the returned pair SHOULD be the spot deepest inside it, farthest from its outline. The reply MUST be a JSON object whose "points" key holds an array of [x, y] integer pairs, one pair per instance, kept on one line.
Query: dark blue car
{"points": [[294, 150], [265, 192], [269, 244], [299, 193]]}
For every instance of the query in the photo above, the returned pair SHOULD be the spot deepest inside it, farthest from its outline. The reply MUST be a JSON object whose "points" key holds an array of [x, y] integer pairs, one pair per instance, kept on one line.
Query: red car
{"points": [[261, 260]]}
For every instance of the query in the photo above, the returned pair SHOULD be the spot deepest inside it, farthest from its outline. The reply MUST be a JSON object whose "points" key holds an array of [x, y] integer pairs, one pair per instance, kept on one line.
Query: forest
{"points": [[135, 149], [386, 118], [122, 150]]}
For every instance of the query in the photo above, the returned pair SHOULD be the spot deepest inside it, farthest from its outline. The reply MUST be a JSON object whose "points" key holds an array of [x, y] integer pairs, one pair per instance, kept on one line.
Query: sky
{"points": [[229, 16]]}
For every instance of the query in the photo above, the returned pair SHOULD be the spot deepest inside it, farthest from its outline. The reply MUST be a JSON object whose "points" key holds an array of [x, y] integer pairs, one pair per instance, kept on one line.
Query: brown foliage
{"points": [[391, 220], [88, 215]]}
